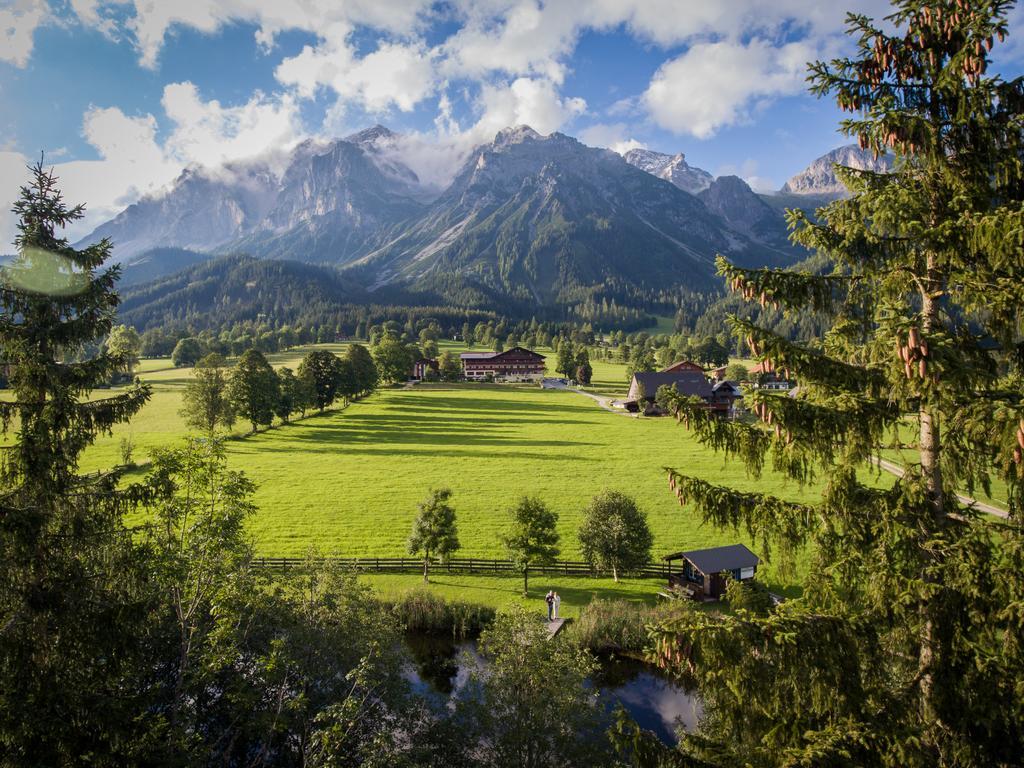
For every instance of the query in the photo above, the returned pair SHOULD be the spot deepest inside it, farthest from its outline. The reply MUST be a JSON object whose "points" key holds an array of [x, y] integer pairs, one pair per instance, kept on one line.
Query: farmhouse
{"points": [[704, 571], [725, 398], [645, 384], [515, 364], [683, 365]]}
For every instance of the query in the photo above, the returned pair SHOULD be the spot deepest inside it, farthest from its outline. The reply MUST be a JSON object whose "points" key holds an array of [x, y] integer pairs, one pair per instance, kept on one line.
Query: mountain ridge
{"points": [[527, 218]]}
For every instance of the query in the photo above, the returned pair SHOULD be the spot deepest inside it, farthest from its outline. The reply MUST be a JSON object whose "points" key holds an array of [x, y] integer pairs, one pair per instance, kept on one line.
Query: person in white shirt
{"points": [[557, 601]]}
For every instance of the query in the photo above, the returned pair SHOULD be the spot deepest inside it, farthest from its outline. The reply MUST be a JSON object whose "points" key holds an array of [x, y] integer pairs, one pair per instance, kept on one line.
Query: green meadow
{"points": [[347, 482]]}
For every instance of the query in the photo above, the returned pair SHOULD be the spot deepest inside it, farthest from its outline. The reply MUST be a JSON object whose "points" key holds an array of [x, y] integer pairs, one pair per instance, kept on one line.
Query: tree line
{"points": [[614, 536], [253, 391]]}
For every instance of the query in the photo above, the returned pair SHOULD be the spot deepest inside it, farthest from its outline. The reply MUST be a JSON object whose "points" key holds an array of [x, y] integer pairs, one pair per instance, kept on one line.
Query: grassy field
{"points": [[504, 591], [348, 482]]}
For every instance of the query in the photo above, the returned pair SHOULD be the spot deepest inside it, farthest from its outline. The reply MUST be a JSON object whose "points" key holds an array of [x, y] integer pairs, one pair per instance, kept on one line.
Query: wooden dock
{"points": [[555, 626]]}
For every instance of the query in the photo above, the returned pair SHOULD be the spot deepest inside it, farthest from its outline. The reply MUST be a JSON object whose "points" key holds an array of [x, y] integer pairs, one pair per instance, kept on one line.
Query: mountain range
{"points": [[527, 220]]}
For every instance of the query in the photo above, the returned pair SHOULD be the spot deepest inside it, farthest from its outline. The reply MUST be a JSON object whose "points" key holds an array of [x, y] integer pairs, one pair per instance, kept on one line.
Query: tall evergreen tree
{"points": [[70, 602], [907, 647]]}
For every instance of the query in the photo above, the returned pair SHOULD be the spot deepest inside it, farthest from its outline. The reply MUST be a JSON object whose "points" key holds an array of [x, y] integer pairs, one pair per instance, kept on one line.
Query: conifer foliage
{"points": [[906, 647], [68, 600]]}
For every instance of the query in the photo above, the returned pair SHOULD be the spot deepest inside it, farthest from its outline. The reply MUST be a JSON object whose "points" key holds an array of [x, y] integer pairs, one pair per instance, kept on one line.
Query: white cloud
{"points": [[525, 101], [18, 22], [133, 161], [748, 171], [610, 135], [150, 20], [210, 134], [437, 156], [523, 39], [12, 175], [713, 85], [395, 75]]}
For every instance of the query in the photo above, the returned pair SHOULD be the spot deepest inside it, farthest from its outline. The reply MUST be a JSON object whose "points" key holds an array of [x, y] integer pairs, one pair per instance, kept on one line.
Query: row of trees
{"points": [[252, 390], [614, 536]]}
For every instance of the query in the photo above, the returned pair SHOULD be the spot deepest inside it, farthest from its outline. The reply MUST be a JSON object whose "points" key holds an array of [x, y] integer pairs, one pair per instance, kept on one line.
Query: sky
{"points": [[121, 95]]}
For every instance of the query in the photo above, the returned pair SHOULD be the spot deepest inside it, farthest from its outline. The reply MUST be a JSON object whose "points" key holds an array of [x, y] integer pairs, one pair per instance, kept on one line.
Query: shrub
{"points": [[612, 626], [749, 595], [420, 610]]}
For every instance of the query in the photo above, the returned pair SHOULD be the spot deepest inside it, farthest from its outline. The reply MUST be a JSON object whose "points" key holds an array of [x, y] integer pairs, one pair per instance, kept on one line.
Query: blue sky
{"points": [[122, 94]]}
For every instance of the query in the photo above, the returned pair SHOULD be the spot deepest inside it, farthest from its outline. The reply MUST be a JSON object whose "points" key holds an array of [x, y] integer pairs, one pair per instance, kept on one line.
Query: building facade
{"points": [[515, 364], [704, 571]]}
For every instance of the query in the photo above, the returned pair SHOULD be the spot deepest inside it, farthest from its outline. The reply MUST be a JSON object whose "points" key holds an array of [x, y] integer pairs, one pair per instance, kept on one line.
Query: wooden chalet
{"points": [[421, 366], [515, 364], [644, 386], [682, 365], [726, 397], [718, 374], [704, 571]]}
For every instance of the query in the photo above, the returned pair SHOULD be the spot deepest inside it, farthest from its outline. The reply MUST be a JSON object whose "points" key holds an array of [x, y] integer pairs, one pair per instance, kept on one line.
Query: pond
{"points": [[435, 669]]}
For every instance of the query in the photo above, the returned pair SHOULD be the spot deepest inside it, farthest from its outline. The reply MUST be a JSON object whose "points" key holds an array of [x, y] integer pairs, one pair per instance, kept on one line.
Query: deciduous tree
{"points": [[449, 367], [363, 369], [531, 538], [531, 706], [204, 403], [434, 532], [394, 360], [124, 342], [288, 397], [321, 371], [253, 389], [186, 352], [614, 535]]}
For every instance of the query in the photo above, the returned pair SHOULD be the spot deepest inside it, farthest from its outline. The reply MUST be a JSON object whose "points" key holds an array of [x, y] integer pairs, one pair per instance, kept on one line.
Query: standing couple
{"points": [[553, 601]]}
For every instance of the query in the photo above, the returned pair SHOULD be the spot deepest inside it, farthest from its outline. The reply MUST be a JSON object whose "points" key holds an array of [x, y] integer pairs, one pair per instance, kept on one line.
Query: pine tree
{"points": [[70, 597], [907, 646]]}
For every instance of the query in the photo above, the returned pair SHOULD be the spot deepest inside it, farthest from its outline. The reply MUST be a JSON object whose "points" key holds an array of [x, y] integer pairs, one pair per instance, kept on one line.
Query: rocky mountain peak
{"points": [[516, 134], [371, 135], [819, 178], [671, 168]]}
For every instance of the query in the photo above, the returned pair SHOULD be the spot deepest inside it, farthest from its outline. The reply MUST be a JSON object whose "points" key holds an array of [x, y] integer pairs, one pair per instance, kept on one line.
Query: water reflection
{"points": [[436, 669], [655, 702]]}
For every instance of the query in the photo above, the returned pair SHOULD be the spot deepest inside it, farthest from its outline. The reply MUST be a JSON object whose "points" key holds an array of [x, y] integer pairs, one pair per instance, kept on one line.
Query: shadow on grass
{"points": [[483, 405]]}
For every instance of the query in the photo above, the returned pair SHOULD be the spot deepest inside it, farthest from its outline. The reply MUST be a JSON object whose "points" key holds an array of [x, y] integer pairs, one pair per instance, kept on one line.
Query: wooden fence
{"points": [[453, 565]]}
